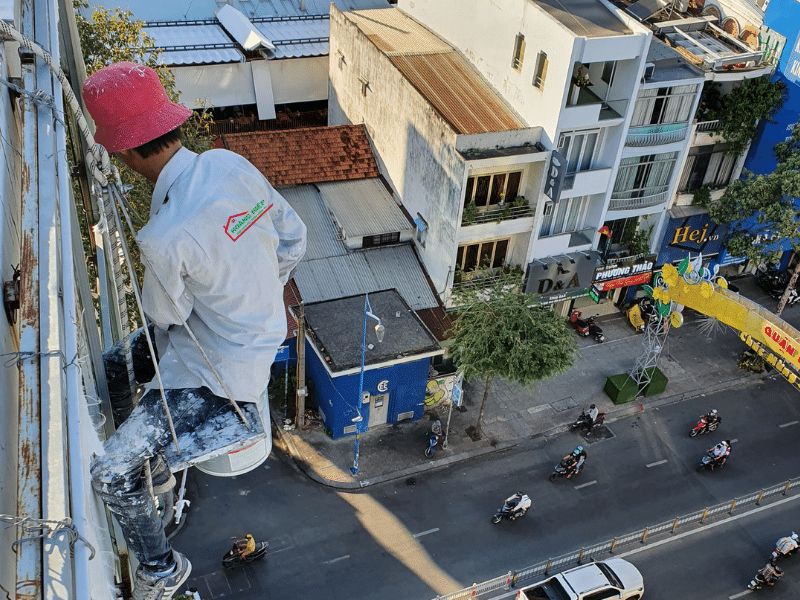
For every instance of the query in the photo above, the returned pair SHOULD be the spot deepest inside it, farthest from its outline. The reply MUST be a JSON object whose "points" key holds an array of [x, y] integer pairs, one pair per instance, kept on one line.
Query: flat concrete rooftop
{"points": [[586, 18]]}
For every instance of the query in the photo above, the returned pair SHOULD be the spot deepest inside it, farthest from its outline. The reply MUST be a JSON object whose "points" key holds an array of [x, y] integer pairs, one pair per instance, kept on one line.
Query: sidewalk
{"points": [[694, 364]]}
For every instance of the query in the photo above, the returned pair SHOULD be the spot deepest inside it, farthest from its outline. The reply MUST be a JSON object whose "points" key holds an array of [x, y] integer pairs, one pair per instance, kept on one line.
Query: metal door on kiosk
{"points": [[378, 409]]}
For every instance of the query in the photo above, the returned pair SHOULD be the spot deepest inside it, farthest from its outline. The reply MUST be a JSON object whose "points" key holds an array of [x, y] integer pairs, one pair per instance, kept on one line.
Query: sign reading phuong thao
{"points": [[624, 272], [691, 235]]}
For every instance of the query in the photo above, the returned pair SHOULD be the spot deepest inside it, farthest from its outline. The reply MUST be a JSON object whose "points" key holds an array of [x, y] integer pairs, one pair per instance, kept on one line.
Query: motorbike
{"points": [[507, 513], [703, 426], [580, 325], [562, 469], [771, 280], [233, 557], [433, 441], [595, 331], [759, 581], [640, 313], [584, 422], [785, 546], [777, 294], [709, 461]]}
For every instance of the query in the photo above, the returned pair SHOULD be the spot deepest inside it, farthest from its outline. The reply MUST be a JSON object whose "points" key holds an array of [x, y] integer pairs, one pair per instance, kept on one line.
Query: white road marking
{"points": [[734, 440], [740, 594], [583, 485], [788, 424], [655, 464], [335, 560], [416, 535]]}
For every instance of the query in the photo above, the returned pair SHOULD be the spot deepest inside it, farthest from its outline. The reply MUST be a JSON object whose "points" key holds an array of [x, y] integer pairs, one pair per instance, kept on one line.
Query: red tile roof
{"points": [[308, 155]]}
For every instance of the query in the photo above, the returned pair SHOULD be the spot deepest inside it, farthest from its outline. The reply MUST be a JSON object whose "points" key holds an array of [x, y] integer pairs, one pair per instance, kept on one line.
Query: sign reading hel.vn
{"points": [[238, 224]]}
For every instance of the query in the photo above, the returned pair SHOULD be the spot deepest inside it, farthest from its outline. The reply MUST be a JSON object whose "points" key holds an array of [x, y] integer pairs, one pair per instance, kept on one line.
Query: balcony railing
{"points": [[624, 201], [655, 135], [483, 279], [706, 126], [505, 213]]}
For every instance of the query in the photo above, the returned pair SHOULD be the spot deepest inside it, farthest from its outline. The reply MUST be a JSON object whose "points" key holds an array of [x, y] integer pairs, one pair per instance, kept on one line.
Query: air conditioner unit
{"points": [[649, 71], [548, 208]]}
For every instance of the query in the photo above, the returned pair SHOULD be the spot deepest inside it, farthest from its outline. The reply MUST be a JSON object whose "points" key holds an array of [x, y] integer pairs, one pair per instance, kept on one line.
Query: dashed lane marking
{"points": [[789, 424], [416, 535], [655, 464], [740, 594], [583, 485], [734, 440], [335, 560]]}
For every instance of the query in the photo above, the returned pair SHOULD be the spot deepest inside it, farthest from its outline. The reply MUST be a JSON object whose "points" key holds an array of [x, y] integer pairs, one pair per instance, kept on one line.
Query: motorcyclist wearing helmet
{"points": [[720, 453], [786, 545], [575, 460], [513, 503], [593, 412], [711, 417], [770, 574], [246, 546], [436, 427]]}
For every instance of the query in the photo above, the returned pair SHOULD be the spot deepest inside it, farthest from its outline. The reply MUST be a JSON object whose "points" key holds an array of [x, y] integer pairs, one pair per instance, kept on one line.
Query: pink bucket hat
{"points": [[129, 106]]}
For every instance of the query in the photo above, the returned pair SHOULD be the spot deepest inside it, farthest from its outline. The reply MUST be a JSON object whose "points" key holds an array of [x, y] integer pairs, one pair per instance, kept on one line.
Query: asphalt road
{"points": [[414, 539]]}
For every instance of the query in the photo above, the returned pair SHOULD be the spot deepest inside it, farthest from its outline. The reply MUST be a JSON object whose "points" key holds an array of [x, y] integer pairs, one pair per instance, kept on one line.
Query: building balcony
{"points": [[585, 108], [633, 201], [586, 183], [704, 133], [497, 214], [656, 135], [484, 278], [564, 243]]}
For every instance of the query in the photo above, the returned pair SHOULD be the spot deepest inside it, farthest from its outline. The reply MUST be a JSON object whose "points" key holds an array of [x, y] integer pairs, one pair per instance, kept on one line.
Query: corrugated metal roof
{"points": [[363, 207], [366, 271], [296, 37], [329, 271], [452, 86], [322, 240], [193, 43]]}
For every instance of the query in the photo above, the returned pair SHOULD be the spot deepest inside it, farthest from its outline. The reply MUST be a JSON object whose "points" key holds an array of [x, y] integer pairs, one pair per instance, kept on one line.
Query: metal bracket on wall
{"points": [[11, 296]]}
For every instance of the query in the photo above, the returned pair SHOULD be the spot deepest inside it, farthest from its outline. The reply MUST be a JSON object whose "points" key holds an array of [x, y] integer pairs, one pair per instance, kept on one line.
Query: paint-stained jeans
{"points": [[144, 431]]}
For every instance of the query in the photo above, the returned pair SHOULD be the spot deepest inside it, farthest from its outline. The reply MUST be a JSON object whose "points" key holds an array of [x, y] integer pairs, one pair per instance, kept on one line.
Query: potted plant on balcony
{"points": [[470, 212]]}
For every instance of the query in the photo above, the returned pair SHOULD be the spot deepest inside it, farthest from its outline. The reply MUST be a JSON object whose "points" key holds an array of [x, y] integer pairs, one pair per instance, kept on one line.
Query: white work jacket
{"points": [[223, 243]]}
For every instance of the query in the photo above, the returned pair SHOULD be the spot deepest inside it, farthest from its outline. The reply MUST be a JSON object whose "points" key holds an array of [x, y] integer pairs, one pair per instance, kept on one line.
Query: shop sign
{"points": [[691, 235], [594, 293], [558, 278], [555, 176], [625, 272]]}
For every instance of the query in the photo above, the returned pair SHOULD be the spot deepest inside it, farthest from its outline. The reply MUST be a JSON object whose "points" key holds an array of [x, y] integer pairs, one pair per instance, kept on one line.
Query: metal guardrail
{"points": [[500, 214], [705, 126], [638, 202], [510, 580], [656, 135]]}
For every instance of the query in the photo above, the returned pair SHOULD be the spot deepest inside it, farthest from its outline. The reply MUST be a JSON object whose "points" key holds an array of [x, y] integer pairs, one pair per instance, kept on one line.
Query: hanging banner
{"points": [[555, 176], [559, 278]]}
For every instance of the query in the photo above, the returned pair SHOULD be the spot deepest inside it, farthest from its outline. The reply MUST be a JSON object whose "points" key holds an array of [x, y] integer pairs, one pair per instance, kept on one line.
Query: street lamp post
{"points": [[379, 331]]}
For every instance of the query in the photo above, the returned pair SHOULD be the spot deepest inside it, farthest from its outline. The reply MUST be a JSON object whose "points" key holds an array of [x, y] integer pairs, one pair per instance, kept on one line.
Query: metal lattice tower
{"points": [[655, 336]]}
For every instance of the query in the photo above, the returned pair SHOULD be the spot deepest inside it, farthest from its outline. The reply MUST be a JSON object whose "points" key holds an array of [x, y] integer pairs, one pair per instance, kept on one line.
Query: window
{"points": [[603, 594], [567, 217], [657, 106], [384, 239], [541, 71], [707, 165], [622, 230], [643, 176], [579, 148], [488, 190], [422, 229], [483, 255], [519, 52]]}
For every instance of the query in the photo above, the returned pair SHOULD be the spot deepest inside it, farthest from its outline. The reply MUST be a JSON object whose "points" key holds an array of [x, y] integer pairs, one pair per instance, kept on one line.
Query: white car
{"points": [[613, 578]]}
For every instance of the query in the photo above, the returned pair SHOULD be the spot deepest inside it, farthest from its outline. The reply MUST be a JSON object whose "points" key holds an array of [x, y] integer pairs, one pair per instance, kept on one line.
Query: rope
{"points": [[35, 529]]}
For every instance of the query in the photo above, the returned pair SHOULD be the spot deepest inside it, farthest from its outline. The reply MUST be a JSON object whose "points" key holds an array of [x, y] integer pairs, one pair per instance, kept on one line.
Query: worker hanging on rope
{"points": [[218, 248]]}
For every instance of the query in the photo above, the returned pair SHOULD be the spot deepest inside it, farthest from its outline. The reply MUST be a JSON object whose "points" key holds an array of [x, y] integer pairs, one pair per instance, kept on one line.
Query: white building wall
{"points": [[415, 145]]}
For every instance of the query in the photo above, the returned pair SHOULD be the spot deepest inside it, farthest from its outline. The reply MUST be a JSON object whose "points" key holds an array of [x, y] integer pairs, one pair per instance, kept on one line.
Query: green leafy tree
{"points": [[111, 36], [772, 202], [740, 110], [502, 332]]}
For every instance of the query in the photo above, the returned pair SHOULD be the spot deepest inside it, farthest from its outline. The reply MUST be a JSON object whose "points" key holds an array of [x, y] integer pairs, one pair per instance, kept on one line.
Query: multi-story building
{"points": [[465, 119]]}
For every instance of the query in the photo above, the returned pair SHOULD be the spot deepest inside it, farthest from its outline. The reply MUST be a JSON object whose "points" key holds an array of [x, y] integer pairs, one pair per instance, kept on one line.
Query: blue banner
{"points": [[692, 234]]}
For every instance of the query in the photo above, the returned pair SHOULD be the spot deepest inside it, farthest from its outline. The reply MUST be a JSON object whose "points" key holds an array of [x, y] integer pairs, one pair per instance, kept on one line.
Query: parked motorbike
{"points": [[761, 580], [233, 557], [580, 325], [786, 546], [584, 422], [710, 461], [595, 331], [777, 294], [640, 313], [703, 426], [435, 435], [563, 468], [520, 509], [771, 280]]}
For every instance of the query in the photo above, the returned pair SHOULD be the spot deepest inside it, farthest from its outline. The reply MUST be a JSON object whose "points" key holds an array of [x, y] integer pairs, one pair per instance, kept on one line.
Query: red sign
{"points": [[624, 282]]}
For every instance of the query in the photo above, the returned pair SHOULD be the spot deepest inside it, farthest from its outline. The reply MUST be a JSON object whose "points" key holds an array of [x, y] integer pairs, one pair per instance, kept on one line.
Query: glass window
{"points": [[541, 71], [492, 255], [642, 176], [578, 147], [568, 216], [658, 106], [488, 190], [519, 52]]}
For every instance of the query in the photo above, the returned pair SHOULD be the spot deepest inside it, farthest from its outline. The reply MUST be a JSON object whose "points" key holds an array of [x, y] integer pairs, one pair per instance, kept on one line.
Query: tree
{"points": [[764, 210], [502, 332], [740, 110], [115, 36]]}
